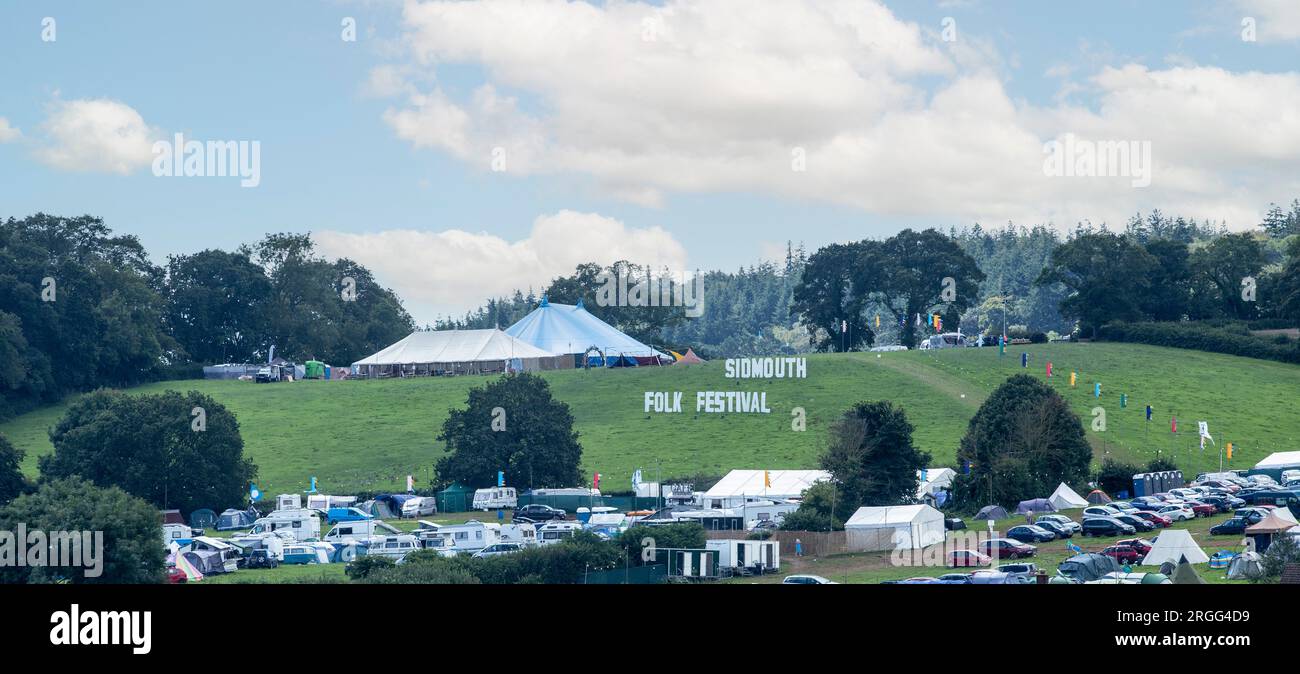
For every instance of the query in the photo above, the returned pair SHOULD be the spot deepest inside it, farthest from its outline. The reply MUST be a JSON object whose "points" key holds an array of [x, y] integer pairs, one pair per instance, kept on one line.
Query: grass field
{"points": [[371, 434]]}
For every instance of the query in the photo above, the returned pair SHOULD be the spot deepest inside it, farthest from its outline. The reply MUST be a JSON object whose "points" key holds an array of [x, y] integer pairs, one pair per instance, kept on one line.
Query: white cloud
{"points": [[697, 96], [98, 135], [1275, 20], [451, 271], [8, 132]]}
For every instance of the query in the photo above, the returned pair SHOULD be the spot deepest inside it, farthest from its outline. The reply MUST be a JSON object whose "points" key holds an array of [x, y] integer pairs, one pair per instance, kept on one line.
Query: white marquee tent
{"points": [[1172, 545], [893, 528], [740, 486], [1065, 498], [458, 352]]}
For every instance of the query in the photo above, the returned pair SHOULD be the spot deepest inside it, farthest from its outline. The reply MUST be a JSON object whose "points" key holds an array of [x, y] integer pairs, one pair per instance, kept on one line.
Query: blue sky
{"points": [[334, 161]]}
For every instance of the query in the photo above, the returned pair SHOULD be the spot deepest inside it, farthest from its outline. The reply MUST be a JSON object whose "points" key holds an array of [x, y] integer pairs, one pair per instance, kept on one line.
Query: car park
{"points": [[1177, 513]]}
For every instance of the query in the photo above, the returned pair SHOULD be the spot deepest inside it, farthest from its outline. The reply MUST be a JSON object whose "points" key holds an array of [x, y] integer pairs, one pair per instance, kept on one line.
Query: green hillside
{"points": [[369, 435]]}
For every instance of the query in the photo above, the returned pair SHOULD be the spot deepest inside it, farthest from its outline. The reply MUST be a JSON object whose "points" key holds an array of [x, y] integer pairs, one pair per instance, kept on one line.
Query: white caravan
{"points": [[523, 534], [395, 548], [554, 531], [359, 531], [495, 498], [420, 505], [288, 502], [454, 539], [302, 524], [325, 501]]}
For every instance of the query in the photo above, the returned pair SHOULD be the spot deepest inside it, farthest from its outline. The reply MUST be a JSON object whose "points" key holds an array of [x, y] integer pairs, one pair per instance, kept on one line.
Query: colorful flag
{"points": [[1148, 413], [253, 492], [1096, 389], [1123, 400], [595, 481], [877, 321], [410, 483], [1229, 451], [1024, 359], [767, 480], [1049, 369], [501, 478], [1173, 424], [1073, 377], [636, 479], [938, 323]]}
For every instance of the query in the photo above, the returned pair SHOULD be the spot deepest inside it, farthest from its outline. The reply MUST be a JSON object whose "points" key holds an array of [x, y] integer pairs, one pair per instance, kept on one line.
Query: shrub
{"points": [[1202, 336], [363, 566]]}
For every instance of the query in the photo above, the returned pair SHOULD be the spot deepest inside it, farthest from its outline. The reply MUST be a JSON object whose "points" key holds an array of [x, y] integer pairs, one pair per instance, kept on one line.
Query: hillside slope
{"points": [[370, 435]]}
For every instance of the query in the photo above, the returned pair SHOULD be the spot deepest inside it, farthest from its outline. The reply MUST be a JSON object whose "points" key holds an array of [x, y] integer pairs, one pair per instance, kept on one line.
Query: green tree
{"points": [[1117, 476], [152, 446], [689, 535], [12, 480], [826, 295], [920, 273], [132, 548], [871, 458], [1107, 277], [816, 510], [1225, 263], [534, 444], [1022, 442], [218, 305], [1160, 465]]}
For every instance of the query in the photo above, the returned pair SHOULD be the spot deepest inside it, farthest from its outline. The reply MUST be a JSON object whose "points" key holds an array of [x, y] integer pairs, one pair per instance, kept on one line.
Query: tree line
{"points": [[86, 308]]}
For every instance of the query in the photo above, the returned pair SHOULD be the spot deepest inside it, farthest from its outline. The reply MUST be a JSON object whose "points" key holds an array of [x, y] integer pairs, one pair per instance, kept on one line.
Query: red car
{"points": [[1158, 520], [1202, 509], [1124, 554], [1140, 544], [175, 575], [1007, 548], [964, 558]]}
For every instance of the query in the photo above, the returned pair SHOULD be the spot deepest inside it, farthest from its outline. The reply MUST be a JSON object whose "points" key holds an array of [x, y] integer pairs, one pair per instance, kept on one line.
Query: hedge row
{"points": [[1202, 337]]}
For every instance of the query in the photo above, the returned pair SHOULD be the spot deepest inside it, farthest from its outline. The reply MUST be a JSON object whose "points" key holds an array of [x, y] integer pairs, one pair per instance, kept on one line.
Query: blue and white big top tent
{"points": [[571, 329]]}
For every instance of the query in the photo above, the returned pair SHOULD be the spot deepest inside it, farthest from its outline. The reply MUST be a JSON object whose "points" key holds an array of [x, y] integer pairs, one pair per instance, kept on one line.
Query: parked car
{"points": [[807, 579], [1235, 526], [1177, 513], [1147, 503], [1202, 509], [1030, 533], [175, 575], [1057, 529], [1106, 526], [536, 512], [1099, 511], [499, 549], [1007, 548], [1123, 506], [1136, 522], [1140, 544], [966, 558], [1124, 554], [1020, 572], [1220, 503], [259, 559], [955, 579], [1154, 518], [1252, 515], [954, 524], [918, 580], [1062, 520]]}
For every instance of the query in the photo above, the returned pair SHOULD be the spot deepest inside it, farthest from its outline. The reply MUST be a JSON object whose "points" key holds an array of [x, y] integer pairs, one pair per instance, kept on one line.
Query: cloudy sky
{"points": [[463, 149]]}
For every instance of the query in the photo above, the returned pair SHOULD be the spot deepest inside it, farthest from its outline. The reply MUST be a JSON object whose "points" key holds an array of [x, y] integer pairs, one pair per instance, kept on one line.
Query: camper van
{"points": [[359, 531], [305, 553], [495, 498], [178, 533], [420, 505], [288, 502], [395, 548], [454, 539], [524, 534], [555, 531], [326, 502], [302, 524], [336, 515]]}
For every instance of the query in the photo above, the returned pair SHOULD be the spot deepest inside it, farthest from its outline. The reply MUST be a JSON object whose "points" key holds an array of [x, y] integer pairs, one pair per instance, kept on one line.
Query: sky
{"points": [[464, 149]]}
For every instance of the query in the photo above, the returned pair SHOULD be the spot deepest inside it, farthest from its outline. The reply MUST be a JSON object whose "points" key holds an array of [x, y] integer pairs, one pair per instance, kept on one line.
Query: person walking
{"points": [[798, 548]]}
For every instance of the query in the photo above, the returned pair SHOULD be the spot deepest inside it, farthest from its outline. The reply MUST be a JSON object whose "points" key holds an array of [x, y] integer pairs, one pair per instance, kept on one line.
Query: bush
{"points": [[1116, 476], [1202, 336], [363, 566], [1282, 551], [688, 535], [1038, 338]]}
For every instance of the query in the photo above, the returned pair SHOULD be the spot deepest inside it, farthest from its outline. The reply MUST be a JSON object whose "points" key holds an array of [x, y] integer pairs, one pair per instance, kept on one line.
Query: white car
{"points": [[804, 579], [498, 549], [1123, 507], [1100, 511], [1177, 513]]}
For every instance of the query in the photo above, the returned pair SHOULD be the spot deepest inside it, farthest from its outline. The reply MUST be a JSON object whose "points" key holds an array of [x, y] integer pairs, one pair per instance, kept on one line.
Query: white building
{"points": [[742, 486], [893, 528]]}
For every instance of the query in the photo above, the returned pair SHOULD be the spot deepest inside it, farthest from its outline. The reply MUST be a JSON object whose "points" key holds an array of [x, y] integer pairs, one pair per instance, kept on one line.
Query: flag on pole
{"points": [[877, 321], [501, 478], [1123, 400], [595, 481], [1229, 447], [1073, 376], [313, 485], [1204, 428], [767, 480], [253, 492], [1049, 369], [938, 323], [1096, 389], [844, 327], [1173, 424], [918, 320], [410, 483], [1148, 413]]}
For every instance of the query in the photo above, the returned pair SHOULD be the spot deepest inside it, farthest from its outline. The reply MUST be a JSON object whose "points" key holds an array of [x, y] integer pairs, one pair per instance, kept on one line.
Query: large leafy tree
{"points": [[12, 481], [1023, 441], [826, 296], [1225, 263], [81, 309], [1170, 281], [920, 273], [218, 305], [1108, 277], [537, 446], [871, 457], [154, 447], [132, 552]]}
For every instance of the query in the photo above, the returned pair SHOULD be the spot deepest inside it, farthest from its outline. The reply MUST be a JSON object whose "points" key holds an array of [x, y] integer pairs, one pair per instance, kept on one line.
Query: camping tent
{"points": [[233, 520], [1245, 566], [208, 562], [1065, 498], [893, 528], [1174, 544], [1185, 574], [1285, 513], [1098, 497], [689, 358], [1036, 505], [1087, 566], [1263, 531], [192, 574], [932, 485], [458, 352], [571, 329], [992, 512]]}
